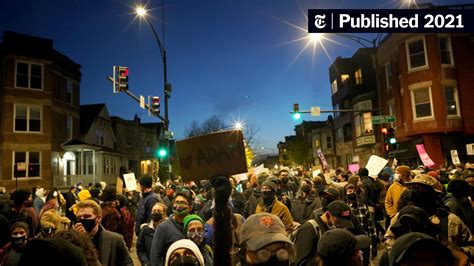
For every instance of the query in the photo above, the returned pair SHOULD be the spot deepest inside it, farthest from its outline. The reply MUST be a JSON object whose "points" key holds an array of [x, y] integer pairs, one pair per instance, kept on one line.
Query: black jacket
{"points": [[144, 209], [144, 241]]}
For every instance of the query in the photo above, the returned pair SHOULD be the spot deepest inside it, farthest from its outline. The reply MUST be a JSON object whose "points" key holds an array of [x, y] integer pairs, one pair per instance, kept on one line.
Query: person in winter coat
{"points": [[402, 175], [271, 204], [146, 203], [256, 195], [458, 202], [145, 238], [184, 252], [305, 202], [193, 228], [11, 253]]}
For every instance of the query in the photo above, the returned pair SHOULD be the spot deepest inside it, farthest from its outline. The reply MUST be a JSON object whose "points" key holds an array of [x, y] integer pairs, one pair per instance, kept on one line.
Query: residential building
{"points": [[427, 83], [39, 109], [354, 86]]}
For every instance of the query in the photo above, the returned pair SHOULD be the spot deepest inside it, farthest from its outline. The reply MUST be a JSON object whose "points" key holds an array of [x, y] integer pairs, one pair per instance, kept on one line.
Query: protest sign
{"points": [[425, 158], [375, 165], [216, 154], [130, 181], [470, 149], [354, 168], [119, 185], [258, 169], [455, 157]]}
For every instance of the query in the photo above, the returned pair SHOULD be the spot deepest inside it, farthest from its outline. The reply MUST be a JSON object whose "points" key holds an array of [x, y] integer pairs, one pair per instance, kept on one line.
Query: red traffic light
{"points": [[384, 131]]}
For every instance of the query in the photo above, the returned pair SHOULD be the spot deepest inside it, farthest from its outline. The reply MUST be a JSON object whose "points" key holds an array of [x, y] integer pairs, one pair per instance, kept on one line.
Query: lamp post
{"points": [[141, 12]]}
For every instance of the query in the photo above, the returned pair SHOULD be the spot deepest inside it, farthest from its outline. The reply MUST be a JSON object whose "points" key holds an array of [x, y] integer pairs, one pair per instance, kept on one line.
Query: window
{"points": [[416, 54], [358, 76], [421, 102], [328, 142], [451, 97], [344, 78], [336, 107], [29, 75], [445, 50], [334, 86], [99, 136], [69, 127], [388, 75], [69, 91], [26, 164], [27, 118], [363, 124]]}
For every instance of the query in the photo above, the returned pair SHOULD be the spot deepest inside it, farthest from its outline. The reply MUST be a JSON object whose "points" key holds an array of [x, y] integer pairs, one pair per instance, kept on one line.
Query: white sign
{"points": [[315, 111], [259, 169], [455, 157], [142, 102], [240, 177], [315, 173], [375, 165], [470, 149], [130, 181]]}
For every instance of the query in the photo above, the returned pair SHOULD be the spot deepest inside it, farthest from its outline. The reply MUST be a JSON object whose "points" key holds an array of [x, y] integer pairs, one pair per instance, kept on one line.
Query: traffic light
{"points": [[162, 151], [385, 138], [296, 111], [122, 78], [392, 140], [155, 105]]}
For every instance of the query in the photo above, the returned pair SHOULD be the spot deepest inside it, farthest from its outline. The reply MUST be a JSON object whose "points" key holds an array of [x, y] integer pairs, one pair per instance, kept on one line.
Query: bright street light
{"points": [[140, 11]]}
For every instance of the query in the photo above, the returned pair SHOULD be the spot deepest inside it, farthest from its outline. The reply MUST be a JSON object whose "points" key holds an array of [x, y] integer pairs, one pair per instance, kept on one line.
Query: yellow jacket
{"points": [[393, 196], [279, 209]]}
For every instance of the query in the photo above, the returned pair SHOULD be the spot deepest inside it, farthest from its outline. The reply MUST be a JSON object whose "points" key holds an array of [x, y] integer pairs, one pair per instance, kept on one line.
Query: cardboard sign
{"points": [[215, 154], [425, 158], [455, 157], [130, 181], [354, 168], [240, 177], [375, 165], [470, 149], [119, 185]]}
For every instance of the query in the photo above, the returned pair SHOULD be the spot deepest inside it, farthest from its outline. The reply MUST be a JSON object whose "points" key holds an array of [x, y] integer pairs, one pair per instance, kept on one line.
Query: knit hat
{"points": [[84, 195], [20, 196], [262, 229], [186, 244], [188, 219], [271, 184], [338, 244], [146, 181], [21, 225], [261, 178], [59, 252], [403, 170]]}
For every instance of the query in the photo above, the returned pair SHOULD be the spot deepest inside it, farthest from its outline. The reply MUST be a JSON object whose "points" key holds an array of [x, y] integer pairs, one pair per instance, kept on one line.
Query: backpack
{"points": [[294, 235]]}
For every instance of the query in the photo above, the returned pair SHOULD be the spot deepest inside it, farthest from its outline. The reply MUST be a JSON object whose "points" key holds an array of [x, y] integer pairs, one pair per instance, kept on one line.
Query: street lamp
{"points": [[142, 13]]}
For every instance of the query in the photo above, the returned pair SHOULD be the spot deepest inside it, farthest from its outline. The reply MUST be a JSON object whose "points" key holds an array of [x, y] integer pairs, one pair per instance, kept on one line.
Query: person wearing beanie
{"points": [[146, 203], [402, 175], [82, 196], [111, 218], [270, 204], [184, 252], [255, 196], [193, 229], [23, 211], [11, 253]]}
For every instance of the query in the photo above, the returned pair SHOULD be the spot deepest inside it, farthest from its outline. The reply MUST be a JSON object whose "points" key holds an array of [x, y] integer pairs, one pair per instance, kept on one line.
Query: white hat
{"points": [[187, 244]]}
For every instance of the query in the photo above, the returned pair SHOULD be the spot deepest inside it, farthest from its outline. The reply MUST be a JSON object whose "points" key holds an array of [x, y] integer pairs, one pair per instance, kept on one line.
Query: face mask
{"points": [[184, 261], [89, 224], [351, 196], [284, 180], [18, 241], [180, 210], [156, 216], [268, 197], [273, 261], [306, 189], [196, 237]]}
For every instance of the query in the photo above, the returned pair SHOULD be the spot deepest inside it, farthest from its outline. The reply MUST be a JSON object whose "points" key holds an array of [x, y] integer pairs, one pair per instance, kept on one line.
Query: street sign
{"points": [[142, 102], [169, 134], [315, 111], [381, 119]]}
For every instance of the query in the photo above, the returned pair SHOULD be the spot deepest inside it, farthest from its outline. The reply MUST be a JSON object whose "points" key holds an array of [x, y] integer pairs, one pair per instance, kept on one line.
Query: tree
{"points": [[299, 151], [193, 130]]}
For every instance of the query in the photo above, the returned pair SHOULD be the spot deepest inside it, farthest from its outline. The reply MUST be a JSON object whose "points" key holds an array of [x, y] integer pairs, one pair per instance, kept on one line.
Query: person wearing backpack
{"points": [[306, 238]]}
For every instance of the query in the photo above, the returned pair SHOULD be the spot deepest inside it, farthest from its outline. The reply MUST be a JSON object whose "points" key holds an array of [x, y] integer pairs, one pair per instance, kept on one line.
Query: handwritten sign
{"points": [[375, 165], [354, 168], [425, 158], [206, 156], [130, 181], [455, 157], [470, 149], [322, 158]]}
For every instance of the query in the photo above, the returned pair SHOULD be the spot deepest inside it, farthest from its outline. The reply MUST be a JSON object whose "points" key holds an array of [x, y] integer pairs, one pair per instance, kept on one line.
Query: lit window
{"points": [[416, 54], [26, 164], [358, 76], [27, 118], [29, 75], [344, 78], [334, 86], [421, 101], [451, 96], [445, 50]]}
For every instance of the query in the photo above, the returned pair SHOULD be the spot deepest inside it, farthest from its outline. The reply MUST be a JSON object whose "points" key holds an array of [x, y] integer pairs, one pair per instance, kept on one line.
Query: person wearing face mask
{"points": [[145, 238], [110, 246], [184, 252], [264, 241], [146, 203], [193, 228], [286, 188], [10, 254], [20, 211], [172, 229], [402, 175], [305, 203], [271, 204]]}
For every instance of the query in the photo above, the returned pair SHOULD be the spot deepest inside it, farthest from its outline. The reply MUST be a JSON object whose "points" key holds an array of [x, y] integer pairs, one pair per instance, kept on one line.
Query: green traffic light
{"points": [[393, 140], [296, 116], [162, 153]]}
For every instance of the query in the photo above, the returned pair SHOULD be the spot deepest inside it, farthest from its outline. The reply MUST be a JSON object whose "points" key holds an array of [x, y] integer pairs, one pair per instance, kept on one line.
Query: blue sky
{"points": [[237, 59]]}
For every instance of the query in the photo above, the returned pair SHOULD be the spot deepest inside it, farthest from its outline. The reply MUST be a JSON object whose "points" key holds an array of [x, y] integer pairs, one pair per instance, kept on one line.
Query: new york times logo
{"points": [[388, 20]]}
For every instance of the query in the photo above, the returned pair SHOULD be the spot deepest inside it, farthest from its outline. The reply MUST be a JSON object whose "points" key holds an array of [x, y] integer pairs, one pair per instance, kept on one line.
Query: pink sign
{"points": [[323, 159], [354, 168], [425, 158]]}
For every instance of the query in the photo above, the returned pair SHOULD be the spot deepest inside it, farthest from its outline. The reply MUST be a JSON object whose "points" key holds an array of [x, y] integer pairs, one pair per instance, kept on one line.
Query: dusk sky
{"points": [[237, 59]]}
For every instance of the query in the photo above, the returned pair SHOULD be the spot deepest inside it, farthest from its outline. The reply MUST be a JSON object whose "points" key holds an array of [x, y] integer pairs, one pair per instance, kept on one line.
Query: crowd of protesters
{"points": [[401, 216]]}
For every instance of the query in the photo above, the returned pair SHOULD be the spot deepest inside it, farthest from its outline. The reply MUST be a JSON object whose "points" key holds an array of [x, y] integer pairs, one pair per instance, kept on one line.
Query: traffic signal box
{"points": [[122, 78], [389, 139], [296, 111]]}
